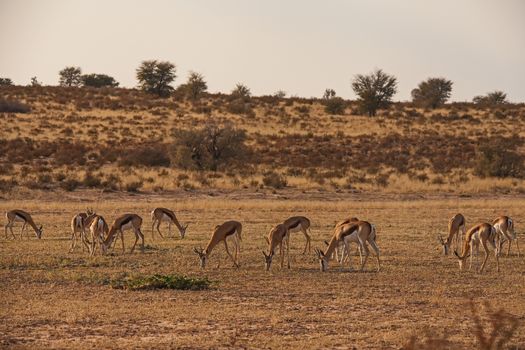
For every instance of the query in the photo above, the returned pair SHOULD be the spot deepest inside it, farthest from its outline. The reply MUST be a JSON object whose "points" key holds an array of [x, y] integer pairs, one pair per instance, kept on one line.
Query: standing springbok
{"points": [[230, 230], [505, 228], [163, 214], [79, 224], [23, 216], [296, 224], [98, 228], [277, 236], [485, 234], [360, 232], [123, 223], [456, 228]]}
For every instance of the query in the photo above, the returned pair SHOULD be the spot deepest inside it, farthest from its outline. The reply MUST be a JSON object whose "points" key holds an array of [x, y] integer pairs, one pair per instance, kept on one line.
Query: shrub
{"points": [[150, 156], [98, 80], [70, 76], [195, 86], [90, 180], [6, 82], [208, 148], [432, 92], [498, 161], [133, 186], [155, 77], [335, 105], [375, 90], [275, 180], [69, 185], [7, 106], [491, 99], [162, 282]]}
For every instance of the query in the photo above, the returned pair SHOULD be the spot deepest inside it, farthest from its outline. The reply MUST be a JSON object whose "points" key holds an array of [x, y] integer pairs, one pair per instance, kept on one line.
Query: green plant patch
{"points": [[161, 282]]}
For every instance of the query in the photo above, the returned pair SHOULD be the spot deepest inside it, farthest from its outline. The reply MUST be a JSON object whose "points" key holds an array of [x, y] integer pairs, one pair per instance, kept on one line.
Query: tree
{"points": [[98, 80], [70, 76], [6, 82], [335, 105], [241, 91], [374, 90], [35, 82], [195, 86], [328, 94], [155, 77], [432, 92], [491, 99], [208, 148], [280, 94]]}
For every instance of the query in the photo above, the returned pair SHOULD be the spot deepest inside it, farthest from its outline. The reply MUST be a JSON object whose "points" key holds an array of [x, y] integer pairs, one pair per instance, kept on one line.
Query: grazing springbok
{"points": [[360, 232], [505, 228], [456, 228], [123, 223], [158, 215], [23, 216], [277, 236], [230, 230], [79, 225], [485, 234], [98, 229], [299, 223]]}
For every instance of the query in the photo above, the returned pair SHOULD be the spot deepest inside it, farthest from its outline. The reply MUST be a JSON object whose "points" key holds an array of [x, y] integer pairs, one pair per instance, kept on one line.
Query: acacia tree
{"points": [[491, 99], [374, 90], [241, 91], [155, 77], [70, 76], [6, 82], [432, 92], [209, 148], [195, 86]]}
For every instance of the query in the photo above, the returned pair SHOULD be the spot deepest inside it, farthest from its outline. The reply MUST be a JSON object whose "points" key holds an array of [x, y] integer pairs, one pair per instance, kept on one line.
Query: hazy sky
{"points": [[301, 47]]}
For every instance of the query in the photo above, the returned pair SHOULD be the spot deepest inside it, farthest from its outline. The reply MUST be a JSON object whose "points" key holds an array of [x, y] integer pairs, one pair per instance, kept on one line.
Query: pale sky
{"points": [[301, 47]]}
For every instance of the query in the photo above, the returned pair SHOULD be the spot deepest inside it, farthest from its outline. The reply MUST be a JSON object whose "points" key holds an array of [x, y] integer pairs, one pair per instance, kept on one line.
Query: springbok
{"points": [[360, 232], [505, 228], [158, 215], [277, 236], [79, 224], [485, 234], [299, 223], [23, 216], [456, 228], [123, 223], [230, 230]]}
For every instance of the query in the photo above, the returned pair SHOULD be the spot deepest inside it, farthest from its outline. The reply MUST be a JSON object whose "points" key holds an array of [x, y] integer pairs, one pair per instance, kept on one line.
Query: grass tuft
{"points": [[162, 282]]}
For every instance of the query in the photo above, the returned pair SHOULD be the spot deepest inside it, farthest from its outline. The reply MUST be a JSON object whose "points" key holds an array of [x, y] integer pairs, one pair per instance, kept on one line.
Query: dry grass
{"points": [[70, 131], [55, 299]]}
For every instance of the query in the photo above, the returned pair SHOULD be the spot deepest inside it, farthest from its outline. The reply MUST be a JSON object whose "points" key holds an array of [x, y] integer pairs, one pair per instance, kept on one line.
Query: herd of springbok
{"points": [[92, 230]]}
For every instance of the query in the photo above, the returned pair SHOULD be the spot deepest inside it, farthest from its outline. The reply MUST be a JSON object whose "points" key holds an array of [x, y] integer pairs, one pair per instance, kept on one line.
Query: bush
{"points": [[69, 185], [275, 180], [155, 77], [162, 282], [6, 82], [98, 80], [375, 91], [7, 106], [335, 105], [432, 92], [70, 76], [133, 187], [210, 148], [150, 156], [498, 161], [491, 99]]}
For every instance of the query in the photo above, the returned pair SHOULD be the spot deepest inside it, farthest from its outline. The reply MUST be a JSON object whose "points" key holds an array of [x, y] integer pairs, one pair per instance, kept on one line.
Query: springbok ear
{"points": [[264, 254], [267, 240], [196, 251], [326, 242]]}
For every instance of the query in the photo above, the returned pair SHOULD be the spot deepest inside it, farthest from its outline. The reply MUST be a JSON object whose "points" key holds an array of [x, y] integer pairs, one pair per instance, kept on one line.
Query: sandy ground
{"points": [[55, 299]]}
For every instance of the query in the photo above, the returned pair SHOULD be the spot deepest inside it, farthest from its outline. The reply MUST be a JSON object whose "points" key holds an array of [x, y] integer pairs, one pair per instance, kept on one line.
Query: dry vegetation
{"points": [[122, 139], [52, 299]]}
